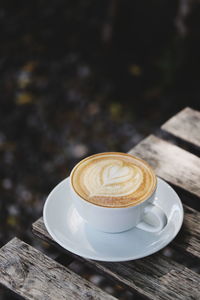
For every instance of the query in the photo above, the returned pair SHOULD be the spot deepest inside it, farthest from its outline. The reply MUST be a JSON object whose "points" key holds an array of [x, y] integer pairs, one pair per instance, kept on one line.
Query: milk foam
{"points": [[113, 179]]}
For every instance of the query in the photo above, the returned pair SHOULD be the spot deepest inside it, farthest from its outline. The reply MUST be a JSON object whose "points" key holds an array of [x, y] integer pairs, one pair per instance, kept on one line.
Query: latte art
{"points": [[113, 179]]}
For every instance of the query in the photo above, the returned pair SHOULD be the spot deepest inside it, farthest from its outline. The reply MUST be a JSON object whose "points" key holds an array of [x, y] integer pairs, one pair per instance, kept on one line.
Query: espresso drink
{"points": [[113, 179]]}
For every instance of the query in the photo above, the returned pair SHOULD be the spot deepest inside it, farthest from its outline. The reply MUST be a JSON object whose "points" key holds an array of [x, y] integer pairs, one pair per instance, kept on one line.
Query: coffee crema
{"points": [[113, 179]]}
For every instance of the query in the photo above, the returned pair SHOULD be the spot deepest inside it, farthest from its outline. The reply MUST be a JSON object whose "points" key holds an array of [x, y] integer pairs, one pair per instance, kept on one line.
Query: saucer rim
{"points": [[108, 258]]}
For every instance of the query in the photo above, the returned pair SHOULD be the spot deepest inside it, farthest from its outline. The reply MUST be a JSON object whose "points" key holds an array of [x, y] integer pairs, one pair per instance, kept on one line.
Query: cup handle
{"points": [[154, 219]]}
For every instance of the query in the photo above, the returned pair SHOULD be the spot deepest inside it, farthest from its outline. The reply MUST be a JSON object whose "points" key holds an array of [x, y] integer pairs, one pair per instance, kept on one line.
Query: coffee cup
{"points": [[114, 192]]}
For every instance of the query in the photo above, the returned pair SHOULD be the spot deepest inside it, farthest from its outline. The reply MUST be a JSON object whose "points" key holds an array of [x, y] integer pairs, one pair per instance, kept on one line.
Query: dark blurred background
{"points": [[81, 77]]}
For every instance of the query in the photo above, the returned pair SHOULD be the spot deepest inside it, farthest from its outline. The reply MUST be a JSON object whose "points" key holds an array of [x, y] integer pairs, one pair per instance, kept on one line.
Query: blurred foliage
{"points": [[81, 77]]}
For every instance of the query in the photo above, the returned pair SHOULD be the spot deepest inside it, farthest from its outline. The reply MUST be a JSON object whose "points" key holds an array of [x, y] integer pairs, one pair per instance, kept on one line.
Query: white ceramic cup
{"points": [[145, 215]]}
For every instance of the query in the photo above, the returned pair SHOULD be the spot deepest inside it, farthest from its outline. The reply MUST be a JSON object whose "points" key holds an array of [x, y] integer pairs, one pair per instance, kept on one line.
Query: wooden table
{"points": [[33, 275]]}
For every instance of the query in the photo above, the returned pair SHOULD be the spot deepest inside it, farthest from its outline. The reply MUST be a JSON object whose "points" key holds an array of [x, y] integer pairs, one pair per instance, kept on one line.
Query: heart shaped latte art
{"points": [[112, 178], [115, 174]]}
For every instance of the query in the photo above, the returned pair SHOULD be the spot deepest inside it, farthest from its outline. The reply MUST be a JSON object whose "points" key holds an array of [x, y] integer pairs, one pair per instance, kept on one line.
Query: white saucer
{"points": [[71, 232]]}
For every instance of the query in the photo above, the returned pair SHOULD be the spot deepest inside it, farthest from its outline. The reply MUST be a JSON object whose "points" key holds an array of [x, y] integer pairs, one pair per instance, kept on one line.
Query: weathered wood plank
{"points": [[155, 277], [170, 162], [33, 275], [188, 240], [185, 125]]}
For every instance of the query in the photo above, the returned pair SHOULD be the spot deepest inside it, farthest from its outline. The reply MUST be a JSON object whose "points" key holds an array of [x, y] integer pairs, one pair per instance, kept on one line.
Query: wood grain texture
{"points": [[185, 125], [33, 275], [170, 162], [188, 240], [155, 277]]}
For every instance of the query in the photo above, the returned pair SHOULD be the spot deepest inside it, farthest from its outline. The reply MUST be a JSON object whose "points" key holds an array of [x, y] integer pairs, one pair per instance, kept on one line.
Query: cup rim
{"points": [[110, 207]]}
